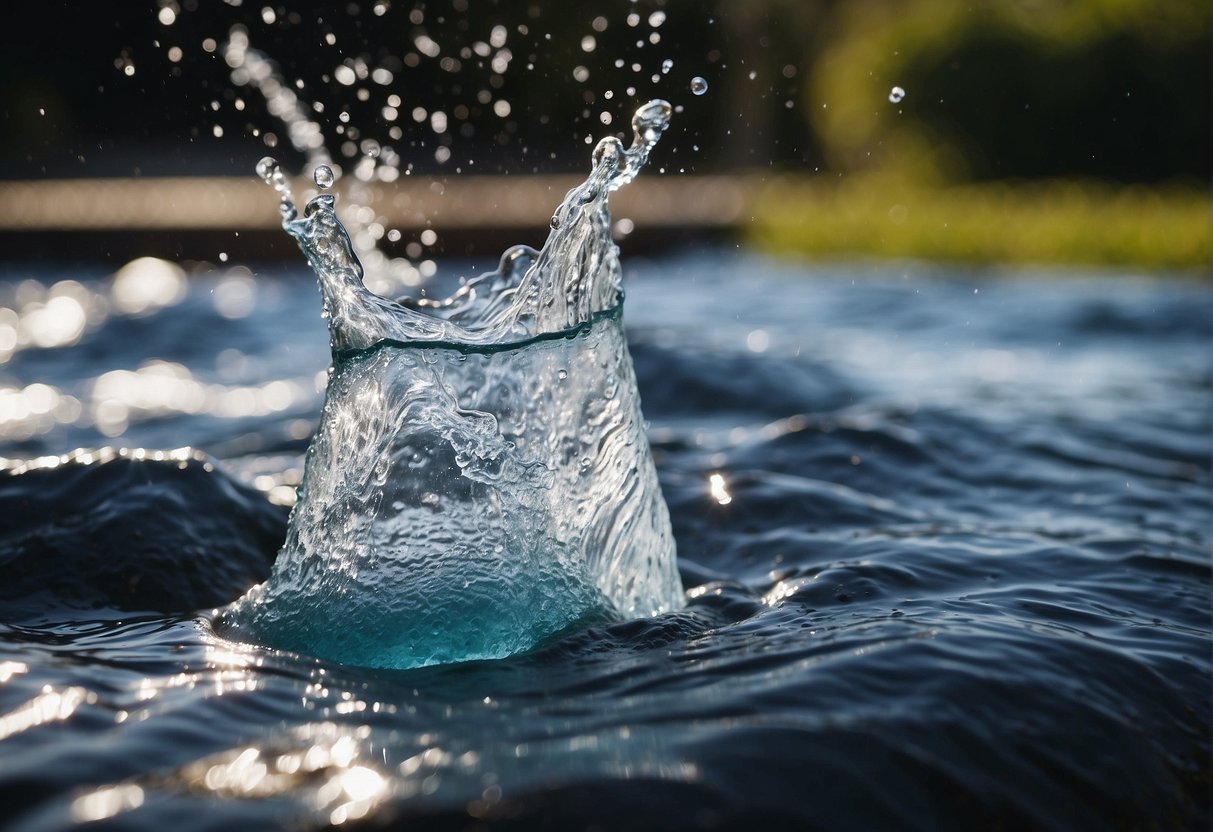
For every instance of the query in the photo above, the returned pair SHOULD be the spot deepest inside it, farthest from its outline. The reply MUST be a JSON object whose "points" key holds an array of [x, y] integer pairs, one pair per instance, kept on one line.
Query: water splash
{"points": [[252, 68], [480, 479], [533, 293]]}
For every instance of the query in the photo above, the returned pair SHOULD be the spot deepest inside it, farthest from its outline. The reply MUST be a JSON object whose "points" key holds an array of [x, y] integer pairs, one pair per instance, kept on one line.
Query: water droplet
{"points": [[651, 120], [610, 149], [699, 85], [554, 222], [267, 168], [896, 94], [562, 374], [666, 66], [324, 177]]}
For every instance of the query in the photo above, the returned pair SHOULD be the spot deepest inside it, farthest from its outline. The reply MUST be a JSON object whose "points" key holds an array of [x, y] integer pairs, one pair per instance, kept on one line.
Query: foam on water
{"points": [[480, 479]]}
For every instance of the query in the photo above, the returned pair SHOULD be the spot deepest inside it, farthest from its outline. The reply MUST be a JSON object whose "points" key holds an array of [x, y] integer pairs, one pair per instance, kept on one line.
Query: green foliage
{"points": [[1041, 221], [1117, 89]]}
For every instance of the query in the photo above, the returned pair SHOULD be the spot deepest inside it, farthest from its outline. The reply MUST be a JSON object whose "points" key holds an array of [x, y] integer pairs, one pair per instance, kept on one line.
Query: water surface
{"points": [[944, 536]]}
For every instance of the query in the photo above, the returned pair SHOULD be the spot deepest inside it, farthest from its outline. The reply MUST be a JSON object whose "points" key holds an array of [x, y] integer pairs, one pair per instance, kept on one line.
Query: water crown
{"points": [[480, 479]]}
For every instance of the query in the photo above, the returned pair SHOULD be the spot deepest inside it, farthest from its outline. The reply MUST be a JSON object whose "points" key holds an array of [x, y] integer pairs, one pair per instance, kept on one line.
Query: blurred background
{"points": [[1033, 131]]}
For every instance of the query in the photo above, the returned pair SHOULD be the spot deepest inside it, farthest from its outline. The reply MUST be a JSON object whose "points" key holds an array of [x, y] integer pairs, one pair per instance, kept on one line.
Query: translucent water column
{"points": [[480, 479]]}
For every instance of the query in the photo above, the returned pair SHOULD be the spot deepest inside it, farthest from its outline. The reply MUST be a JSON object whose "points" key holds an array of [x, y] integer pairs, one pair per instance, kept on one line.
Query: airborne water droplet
{"points": [[699, 85], [271, 172], [666, 66], [896, 94], [266, 168], [324, 177], [649, 122]]}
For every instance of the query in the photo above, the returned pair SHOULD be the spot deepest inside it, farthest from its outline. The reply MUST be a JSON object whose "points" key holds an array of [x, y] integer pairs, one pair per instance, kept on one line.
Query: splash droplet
{"points": [[267, 168], [896, 94], [324, 177], [666, 66], [699, 85], [649, 122]]}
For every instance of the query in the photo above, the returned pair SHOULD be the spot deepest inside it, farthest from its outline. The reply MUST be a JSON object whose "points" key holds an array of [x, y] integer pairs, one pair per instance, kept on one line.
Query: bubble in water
{"points": [[699, 85], [324, 177], [896, 94]]}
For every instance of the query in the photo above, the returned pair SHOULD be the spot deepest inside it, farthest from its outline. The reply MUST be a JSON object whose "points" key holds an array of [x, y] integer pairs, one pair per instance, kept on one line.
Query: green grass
{"points": [[1050, 222]]}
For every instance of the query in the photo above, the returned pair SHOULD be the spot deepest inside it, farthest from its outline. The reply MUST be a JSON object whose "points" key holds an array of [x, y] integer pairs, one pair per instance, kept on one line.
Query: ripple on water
{"points": [[964, 604]]}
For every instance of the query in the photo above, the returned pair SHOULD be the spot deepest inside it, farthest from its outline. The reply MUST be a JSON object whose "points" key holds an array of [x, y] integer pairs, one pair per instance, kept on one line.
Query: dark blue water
{"points": [[953, 571]]}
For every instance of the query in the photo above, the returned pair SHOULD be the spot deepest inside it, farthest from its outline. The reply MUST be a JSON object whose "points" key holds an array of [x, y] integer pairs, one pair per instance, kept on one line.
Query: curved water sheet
{"points": [[480, 478]]}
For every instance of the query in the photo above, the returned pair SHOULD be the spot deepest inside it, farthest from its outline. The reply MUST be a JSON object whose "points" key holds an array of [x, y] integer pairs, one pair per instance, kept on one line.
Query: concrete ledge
{"points": [[241, 204]]}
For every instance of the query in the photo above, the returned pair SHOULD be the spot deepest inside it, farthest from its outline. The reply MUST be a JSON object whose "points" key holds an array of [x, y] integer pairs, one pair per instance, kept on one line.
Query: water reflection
{"points": [[107, 802], [719, 489], [34, 315], [320, 765], [50, 705], [159, 374], [326, 766], [159, 388], [147, 284]]}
